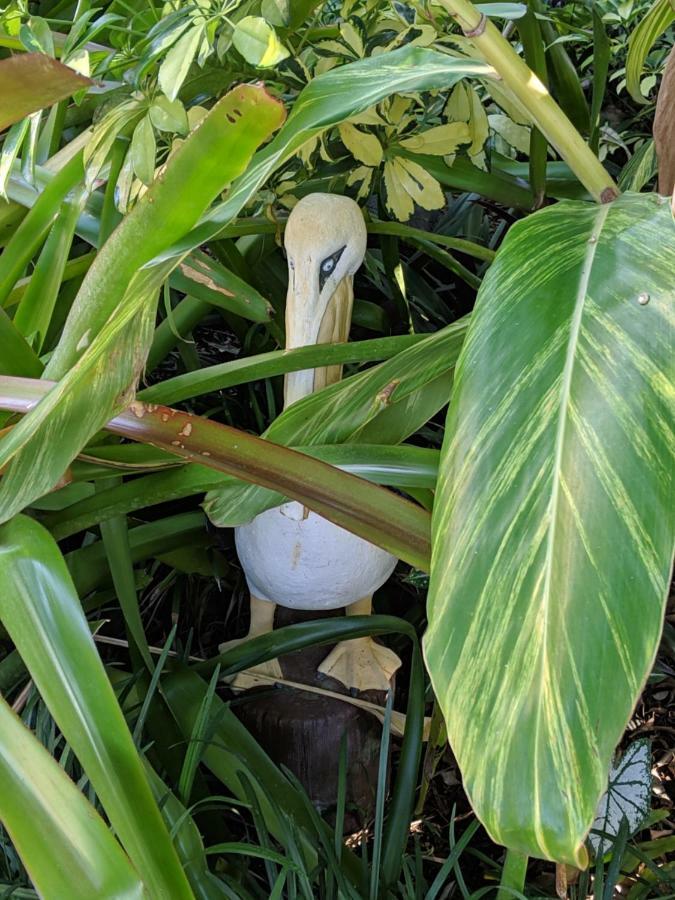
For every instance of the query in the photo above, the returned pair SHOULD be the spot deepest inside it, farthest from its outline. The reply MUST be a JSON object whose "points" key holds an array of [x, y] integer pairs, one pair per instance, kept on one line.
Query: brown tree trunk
{"points": [[664, 127]]}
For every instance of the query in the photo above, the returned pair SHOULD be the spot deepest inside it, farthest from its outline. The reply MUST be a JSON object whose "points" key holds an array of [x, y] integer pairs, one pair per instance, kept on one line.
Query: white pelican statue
{"points": [[291, 556]]}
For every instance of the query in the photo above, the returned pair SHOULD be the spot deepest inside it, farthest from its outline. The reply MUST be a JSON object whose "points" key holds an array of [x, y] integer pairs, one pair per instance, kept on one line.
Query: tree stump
{"points": [[303, 731]]}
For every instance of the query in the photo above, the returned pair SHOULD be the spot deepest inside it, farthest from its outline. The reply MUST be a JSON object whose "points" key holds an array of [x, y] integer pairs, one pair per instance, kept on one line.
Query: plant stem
{"points": [[534, 96], [513, 875]]}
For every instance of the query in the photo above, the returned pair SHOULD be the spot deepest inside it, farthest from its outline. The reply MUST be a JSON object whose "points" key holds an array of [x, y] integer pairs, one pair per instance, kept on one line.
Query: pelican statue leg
{"points": [[262, 622], [290, 555], [361, 664]]}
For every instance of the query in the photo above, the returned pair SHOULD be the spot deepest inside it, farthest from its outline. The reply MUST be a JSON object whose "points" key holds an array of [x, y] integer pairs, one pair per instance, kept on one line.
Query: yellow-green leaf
{"points": [[464, 105], [407, 184], [363, 145], [258, 42], [517, 136], [438, 141]]}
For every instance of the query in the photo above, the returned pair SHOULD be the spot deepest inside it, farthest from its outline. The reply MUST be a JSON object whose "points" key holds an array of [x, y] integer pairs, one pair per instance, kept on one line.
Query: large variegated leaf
{"points": [[553, 521]]}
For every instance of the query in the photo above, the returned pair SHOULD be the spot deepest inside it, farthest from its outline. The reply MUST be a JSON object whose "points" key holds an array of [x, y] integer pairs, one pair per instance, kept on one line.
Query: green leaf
{"points": [[64, 844], [385, 404], [115, 306], [649, 28], [42, 613], [640, 168], [275, 362], [32, 81], [372, 513], [178, 60], [35, 310], [601, 56], [553, 523], [258, 42], [404, 466], [205, 278], [143, 150], [11, 147], [168, 115], [566, 85]]}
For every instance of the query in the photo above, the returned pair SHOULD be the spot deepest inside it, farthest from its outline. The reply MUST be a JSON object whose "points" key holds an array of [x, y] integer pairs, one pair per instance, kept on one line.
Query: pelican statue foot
{"points": [[262, 622], [361, 665]]}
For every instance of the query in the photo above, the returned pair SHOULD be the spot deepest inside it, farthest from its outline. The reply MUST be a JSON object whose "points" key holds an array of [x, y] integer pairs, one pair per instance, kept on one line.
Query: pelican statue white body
{"points": [[291, 556]]}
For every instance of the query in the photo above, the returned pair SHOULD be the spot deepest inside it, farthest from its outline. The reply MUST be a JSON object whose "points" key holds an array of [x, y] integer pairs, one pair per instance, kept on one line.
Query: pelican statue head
{"points": [[325, 244]]}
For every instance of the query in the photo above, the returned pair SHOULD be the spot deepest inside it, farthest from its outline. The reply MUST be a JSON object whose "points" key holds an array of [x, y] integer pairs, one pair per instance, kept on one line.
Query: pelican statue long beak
{"points": [[325, 243]]}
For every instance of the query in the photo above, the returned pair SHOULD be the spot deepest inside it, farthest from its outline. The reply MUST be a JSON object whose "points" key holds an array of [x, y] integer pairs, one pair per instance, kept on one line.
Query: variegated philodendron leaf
{"points": [[553, 520], [628, 797]]}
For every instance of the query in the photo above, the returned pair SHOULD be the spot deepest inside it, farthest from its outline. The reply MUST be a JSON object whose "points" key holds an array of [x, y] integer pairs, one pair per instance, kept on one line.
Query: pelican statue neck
{"points": [[333, 329], [325, 243]]}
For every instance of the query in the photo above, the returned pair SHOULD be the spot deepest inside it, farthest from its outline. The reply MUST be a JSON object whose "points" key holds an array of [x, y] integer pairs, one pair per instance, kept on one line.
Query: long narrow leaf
{"points": [[42, 613], [363, 508], [65, 846]]}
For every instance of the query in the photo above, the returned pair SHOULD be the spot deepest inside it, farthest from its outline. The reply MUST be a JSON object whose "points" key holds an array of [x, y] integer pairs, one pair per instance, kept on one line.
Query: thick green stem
{"points": [[513, 875], [534, 96]]}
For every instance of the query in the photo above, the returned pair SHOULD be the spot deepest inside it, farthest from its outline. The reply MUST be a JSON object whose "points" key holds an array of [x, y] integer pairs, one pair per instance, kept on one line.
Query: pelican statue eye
{"points": [[327, 267]]}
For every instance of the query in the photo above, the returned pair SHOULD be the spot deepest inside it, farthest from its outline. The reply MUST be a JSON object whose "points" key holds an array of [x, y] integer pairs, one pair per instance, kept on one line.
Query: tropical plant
{"points": [[145, 212]]}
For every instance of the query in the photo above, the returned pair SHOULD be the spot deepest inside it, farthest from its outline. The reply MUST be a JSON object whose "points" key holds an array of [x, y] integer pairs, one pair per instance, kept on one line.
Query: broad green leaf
{"points": [[640, 168], [275, 362], [205, 278], [648, 29], [34, 312], [258, 42], [563, 77], [384, 404], [628, 796], [32, 81], [329, 99], [42, 613], [64, 844], [30, 234], [553, 521], [18, 357], [602, 49], [115, 306]]}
